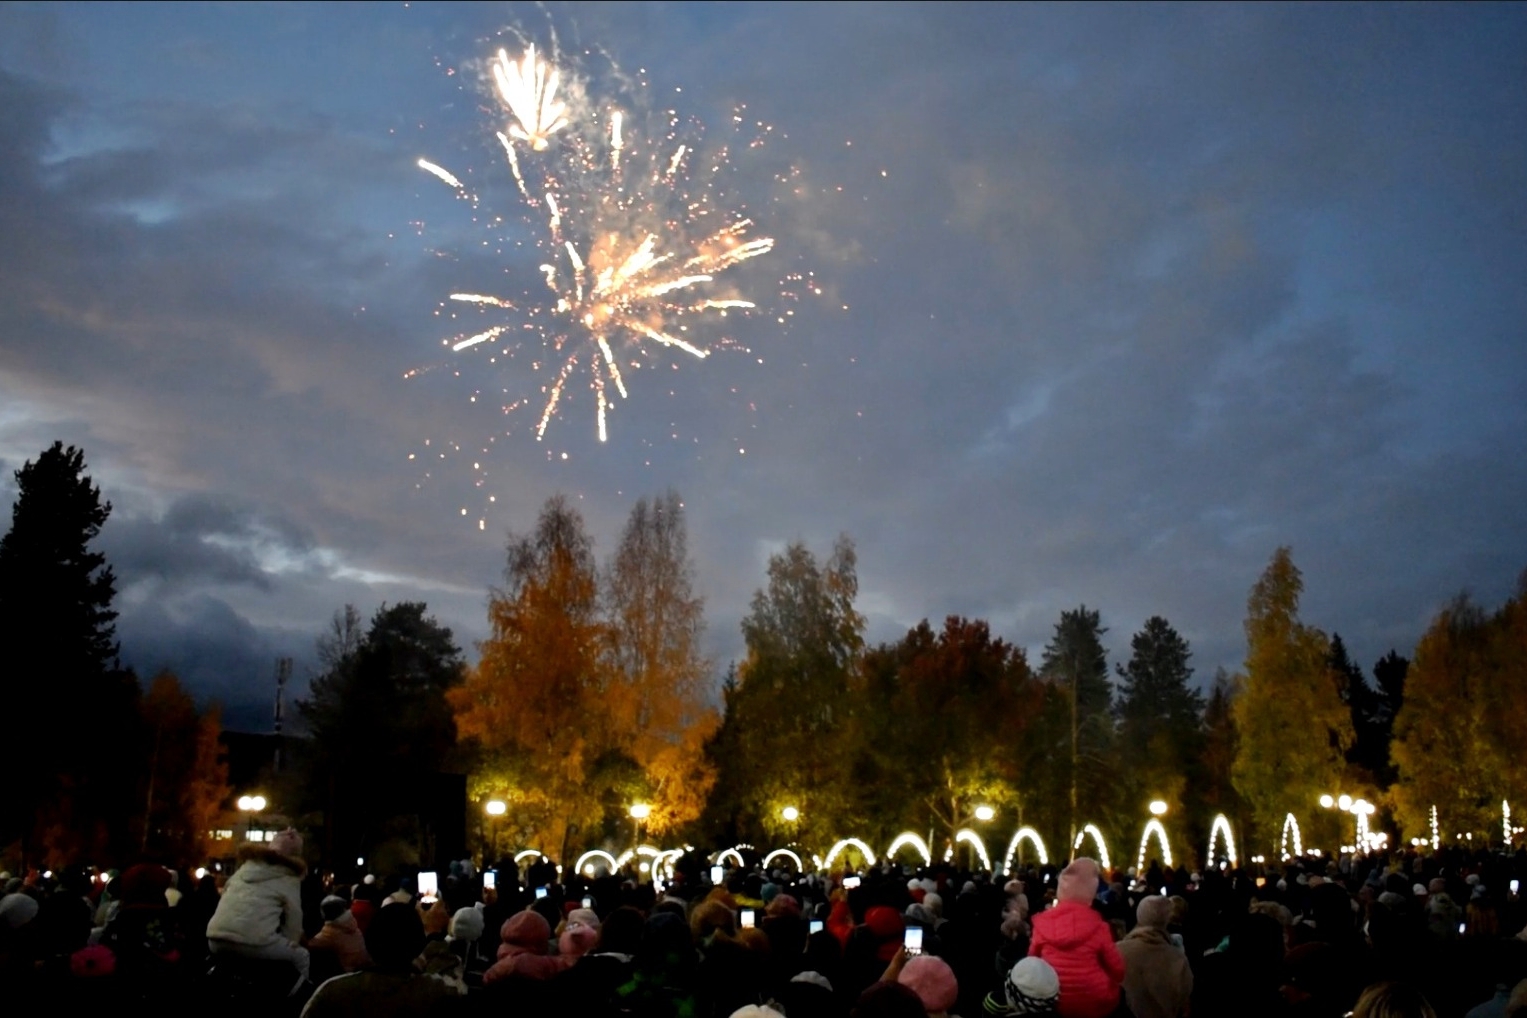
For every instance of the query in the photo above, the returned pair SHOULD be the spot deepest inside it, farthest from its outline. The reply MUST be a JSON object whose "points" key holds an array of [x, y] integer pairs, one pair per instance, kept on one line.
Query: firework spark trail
{"points": [[529, 88], [625, 249], [514, 163], [441, 172]]}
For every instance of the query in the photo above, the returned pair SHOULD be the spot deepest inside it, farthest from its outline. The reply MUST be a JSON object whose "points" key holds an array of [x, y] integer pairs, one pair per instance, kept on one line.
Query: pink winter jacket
{"points": [[1078, 944], [523, 951]]}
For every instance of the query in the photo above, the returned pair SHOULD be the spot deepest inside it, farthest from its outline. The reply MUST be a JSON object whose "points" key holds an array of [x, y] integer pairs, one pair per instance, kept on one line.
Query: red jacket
{"points": [[1078, 944]]}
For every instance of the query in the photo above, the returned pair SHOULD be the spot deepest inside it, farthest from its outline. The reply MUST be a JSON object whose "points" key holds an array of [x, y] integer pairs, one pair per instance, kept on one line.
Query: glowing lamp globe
{"points": [[790, 813], [1157, 808], [496, 808], [640, 811], [1326, 802], [984, 813], [1345, 802]]}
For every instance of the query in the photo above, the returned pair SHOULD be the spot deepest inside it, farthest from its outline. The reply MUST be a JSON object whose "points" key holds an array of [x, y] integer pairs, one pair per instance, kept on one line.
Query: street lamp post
{"points": [[249, 805], [495, 808], [639, 812]]}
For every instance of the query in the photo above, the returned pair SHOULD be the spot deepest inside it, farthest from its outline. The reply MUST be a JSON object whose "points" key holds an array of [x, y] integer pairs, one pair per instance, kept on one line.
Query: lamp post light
{"points": [[985, 813], [1157, 808], [639, 812], [249, 805], [1361, 810], [791, 814], [495, 808]]}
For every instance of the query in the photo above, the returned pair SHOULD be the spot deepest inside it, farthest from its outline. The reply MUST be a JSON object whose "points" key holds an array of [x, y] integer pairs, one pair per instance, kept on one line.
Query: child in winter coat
{"points": [[340, 937], [260, 914], [1078, 943]]}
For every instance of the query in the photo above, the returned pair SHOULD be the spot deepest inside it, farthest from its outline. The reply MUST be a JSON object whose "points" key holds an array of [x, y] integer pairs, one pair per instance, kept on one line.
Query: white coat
{"points": [[262, 901]]}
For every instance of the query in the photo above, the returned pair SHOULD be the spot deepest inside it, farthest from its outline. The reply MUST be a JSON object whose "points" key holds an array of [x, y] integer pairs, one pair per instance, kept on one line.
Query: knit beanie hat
{"points": [[17, 909], [584, 917], [1032, 986], [932, 980], [288, 842], [1079, 882], [333, 907], [528, 931], [466, 924], [577, 940], [784, 904]]}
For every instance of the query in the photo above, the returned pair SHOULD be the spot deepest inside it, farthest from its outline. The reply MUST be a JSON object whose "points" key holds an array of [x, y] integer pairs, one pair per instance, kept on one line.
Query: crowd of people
{"points": [[1400, 936]]}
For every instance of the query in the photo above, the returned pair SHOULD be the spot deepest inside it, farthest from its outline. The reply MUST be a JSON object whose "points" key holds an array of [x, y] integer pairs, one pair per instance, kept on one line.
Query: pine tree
{"points": [[1076, 664], [381, 726], [1160, 735], [56, 596]]}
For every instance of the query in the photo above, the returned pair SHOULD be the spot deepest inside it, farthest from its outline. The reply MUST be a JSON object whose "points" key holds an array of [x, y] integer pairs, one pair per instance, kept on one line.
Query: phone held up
{"points": [[912, 940]]}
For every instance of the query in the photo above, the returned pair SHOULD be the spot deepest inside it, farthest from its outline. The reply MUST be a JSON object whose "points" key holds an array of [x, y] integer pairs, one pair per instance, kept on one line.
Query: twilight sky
{"points": [[1116, 300]]}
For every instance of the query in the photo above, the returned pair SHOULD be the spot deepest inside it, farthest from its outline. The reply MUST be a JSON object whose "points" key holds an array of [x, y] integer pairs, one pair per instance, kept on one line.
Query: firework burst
{"points": [[635, 228]]}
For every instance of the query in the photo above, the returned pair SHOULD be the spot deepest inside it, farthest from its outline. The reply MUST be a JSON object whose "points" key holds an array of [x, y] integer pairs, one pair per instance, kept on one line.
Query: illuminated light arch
{"points": [[596, 853], [864, 850], [800, 867], [970, 837], [1153, 826], [1505, 820], [1030, 835], [1363, 834], [641, 851], [816, 861], [1290, 823], [667, 859], [906, 838], [721, 859], [528, 853], [1436, 835], [1221, 828], [1091, 830]]}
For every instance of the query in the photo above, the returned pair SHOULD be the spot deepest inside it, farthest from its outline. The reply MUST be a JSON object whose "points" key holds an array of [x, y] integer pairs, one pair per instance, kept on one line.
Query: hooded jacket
{"points": [[343, 936], [1078, 944], [1158, 983], [262, 902], [526, 939]]}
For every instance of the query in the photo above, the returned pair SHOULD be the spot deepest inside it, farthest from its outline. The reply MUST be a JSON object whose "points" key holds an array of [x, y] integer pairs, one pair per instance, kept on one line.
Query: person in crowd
{"points": [[389, 987], [933, 981], [1076, 941], [339, 946], [1392, 1000], [1029, 987], [524, 950], [1247, 976], [260, 914], [1158, 982], [142, 935], [662, 973], [888, 1000]]}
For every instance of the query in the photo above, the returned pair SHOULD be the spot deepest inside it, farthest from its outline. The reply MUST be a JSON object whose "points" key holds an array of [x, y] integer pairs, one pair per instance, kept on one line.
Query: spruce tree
{"points": [[71, 743]]}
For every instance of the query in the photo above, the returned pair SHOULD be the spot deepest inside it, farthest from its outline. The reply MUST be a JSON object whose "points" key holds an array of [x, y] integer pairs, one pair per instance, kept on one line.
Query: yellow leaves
{"points": [[1293, 725]]}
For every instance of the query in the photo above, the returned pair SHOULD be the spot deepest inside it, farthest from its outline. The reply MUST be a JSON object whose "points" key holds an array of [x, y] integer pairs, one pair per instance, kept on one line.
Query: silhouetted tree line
{"points": [[590, 694]]}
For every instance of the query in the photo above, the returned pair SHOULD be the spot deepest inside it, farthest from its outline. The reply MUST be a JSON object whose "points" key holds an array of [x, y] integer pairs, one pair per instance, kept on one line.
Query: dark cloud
{"points": [[216, 652]]}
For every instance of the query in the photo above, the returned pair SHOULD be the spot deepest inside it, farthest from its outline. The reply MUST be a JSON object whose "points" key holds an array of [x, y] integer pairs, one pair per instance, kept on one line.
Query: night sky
{"points": [[1115, 301]]}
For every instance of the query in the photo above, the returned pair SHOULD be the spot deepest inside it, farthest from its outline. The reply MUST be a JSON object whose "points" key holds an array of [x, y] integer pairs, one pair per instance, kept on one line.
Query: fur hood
{"points": [[273, 861]]}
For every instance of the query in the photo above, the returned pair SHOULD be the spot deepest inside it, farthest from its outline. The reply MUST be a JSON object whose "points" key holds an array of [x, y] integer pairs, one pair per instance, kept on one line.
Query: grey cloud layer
{"points": [[1140, 295]]}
